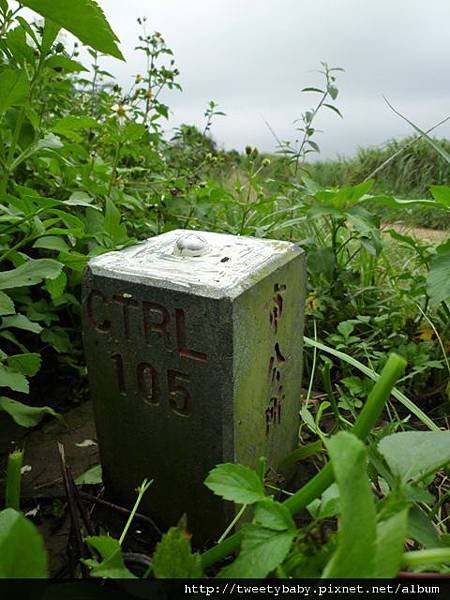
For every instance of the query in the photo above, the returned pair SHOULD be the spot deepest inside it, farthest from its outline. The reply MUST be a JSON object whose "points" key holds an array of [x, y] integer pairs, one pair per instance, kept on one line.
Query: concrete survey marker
{"points": [[193, 343]]}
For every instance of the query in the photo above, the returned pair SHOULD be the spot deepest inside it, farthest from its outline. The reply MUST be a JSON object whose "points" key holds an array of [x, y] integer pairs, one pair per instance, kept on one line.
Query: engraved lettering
{"points": [[118, 362], [148, 383], [153, 311], [183, 351], [126, 303], [179, 397], [97, 316]]}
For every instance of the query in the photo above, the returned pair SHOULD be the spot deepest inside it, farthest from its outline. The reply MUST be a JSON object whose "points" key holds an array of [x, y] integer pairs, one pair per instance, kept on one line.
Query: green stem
{"points": [[365, 422], [433, 556], [13, 480], [141, 491]]}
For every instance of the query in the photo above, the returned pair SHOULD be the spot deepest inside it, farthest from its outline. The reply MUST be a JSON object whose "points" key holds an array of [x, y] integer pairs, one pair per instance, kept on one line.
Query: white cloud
{"points": [[253, 57]]}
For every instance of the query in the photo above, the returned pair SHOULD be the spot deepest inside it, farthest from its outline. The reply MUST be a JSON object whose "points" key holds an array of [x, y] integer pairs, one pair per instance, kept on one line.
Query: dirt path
{"points": [[432, 235]]}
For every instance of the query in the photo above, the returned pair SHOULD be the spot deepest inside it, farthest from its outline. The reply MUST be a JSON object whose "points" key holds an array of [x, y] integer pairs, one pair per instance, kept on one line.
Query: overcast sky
{"points": [[254, 56]]}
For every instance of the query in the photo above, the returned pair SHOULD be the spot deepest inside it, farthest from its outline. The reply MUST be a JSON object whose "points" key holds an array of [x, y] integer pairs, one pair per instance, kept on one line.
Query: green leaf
{"points": [[273, 515], [391, 536], [414, 454], [51, 242], [63, 63], [236, 483], [262, 551], [30, 273], [20, 322], [14, 88], [421, 528], [49, 35], [56, 287], [26, 416], [327, 506], [83, 18], [6, 305], [354, 556], [112, 565], [173, 557], [92, 476], [13, 380], [438, 280], [441, 193], [21, 547], [27, 364]]}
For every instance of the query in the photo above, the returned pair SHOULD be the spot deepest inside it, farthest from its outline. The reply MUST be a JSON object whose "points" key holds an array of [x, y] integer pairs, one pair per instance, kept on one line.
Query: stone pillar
{"points": [[193, 343]]}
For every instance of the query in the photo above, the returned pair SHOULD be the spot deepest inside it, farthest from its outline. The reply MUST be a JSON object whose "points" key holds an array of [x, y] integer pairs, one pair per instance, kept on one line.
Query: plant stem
{"points": [[433, 556], [141, 491], [366, 420], [13, 480]]}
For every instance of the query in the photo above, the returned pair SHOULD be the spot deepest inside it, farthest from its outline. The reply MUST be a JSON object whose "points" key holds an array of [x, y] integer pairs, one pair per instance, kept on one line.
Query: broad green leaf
{"points": [[13, 380], [414, 454], [421, 528], [51, 242], [27, 364], [112, 565], [236, 483], [441, 193], [173, 557], [56, 287], [262, 551], [23, 415], [58, 338], [6, 305], [391, 537], [83, 18], [92, 476], [30, 273], [273, 515], [64, 64], [20, 322], [356, 538], [21, 547], [14, 88], [438, 280]]}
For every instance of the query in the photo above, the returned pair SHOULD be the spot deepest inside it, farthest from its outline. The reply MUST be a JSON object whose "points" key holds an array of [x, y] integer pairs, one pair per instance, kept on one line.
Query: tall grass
{"points": [[408, 175]]}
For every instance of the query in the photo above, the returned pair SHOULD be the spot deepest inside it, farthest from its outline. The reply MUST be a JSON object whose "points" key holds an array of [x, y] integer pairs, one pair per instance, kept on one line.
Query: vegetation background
{"points": [[86, 167]]}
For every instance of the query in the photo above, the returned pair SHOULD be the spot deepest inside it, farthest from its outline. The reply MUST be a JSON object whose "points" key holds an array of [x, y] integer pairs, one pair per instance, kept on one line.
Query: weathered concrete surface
{"points": [[194, 355]]}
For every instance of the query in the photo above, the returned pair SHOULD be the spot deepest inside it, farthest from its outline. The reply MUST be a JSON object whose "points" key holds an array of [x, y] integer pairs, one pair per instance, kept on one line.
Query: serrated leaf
{"points": [[236, 483], [21, 547], [262, 551], [27, 364], [26, 416], [173, 557], [14, 87], [6, 305], [30, 273], [20, 322], [13, 380], [92, 476], [112, 565], [84, 18], [273, 515], [413, 454], [356, 538]]}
